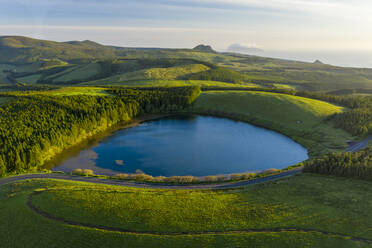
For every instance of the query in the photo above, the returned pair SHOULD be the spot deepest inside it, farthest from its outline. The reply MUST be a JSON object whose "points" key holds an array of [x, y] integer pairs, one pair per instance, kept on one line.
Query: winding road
{"points": [[353, 148], [359, 145]]}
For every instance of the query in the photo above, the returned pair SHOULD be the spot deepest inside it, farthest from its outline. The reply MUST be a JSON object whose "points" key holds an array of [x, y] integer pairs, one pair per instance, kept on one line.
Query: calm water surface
{"points": [[188, 145]]}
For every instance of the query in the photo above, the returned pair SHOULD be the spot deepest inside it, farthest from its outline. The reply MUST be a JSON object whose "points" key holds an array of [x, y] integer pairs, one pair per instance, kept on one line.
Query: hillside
{"points": [[316, 208], [302, 119], [47, 62]]}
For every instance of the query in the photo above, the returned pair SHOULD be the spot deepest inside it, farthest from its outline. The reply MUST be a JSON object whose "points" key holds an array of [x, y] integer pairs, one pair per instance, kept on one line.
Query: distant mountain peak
{"points": [[204, 48], [318, 62], [85, 42], [244, 49]]}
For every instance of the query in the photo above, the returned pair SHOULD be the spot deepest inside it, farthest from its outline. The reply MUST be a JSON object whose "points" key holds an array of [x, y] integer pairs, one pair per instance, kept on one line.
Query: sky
{"points": [[279, 27]]}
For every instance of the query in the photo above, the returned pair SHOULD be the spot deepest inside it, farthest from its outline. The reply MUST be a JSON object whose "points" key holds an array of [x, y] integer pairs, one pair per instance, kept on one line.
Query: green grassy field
{"points": [[71, 91], [310, 76], [78, 73], [4, 100], [171, 73], [171, 83], [30, 79], [30, 55], [300, 118], [322, 204], [3, 80]]}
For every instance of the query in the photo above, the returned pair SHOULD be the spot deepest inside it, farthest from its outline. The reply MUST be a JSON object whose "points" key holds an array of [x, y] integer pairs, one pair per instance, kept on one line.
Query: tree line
{"points": [[357, 119], [35, 127], [356, 165]]}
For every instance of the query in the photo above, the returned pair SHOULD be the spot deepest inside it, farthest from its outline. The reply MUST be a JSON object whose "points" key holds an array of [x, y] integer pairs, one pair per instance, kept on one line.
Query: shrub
{"points": [[87, 172], [83, 172], [121, 176], [141, 177], [269, 171], [249, 175], [159, 179], [77, 171], [236, 176], [210, 179], [181, 179], [221, 178]]}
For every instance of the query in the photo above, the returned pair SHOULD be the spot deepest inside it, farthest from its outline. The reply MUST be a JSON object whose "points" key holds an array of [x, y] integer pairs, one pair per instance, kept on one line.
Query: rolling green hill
{"points": [[171, 73], [302, 119], [314, 211], [24, 54]]}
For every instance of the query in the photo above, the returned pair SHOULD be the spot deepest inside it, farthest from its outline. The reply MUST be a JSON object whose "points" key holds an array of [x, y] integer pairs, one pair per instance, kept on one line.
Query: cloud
{"points": [[244, 48]]}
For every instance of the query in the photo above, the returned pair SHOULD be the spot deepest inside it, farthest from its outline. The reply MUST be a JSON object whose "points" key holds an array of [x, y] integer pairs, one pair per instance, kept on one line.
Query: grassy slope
{"points": [[306, 201], [22, 50], [70, 91], [3, 80], [32, 79], [170, 83], [315, 76], [170, 73], [298, 117], [79, 73], [4, 100]]}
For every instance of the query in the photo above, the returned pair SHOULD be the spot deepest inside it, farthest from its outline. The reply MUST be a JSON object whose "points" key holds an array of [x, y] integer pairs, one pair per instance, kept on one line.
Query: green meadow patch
{"points": [[302, 119], [334, 212]]}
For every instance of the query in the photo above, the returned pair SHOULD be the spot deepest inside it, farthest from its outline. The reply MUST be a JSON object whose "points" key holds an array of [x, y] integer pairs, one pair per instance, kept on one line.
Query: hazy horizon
{"points": [[333, 31]]}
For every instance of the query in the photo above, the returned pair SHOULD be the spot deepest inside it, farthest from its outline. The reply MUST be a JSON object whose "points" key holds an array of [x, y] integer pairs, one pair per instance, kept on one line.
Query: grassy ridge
{"points": [[170, 83], [171, 73], [80, 73], [32, 79], [31, 55], [323, 203], [299, 118], [3, 75]]}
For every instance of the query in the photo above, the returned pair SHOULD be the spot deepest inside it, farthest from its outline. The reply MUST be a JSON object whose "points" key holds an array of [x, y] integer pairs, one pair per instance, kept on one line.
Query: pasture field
{"points": [[78, 73], [171, 73], [3, 80], [171, 83], [312, 210], [31, 55], [4, 101], [32, 79], [68, 91], [300, 118], [73, 91]]}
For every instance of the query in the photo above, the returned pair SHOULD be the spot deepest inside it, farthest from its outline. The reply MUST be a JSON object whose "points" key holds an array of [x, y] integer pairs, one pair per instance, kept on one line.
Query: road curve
{"points": [[228, 185], [359, 145]]}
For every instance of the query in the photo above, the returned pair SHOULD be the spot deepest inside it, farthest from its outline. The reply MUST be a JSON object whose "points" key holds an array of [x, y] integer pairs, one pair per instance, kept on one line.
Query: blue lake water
{"points": [[188, 145]]}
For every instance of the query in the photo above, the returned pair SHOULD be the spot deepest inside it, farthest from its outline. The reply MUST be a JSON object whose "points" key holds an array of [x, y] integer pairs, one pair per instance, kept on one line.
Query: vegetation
{"points": [[35, 126], [318, 203], [356, 165], [141, 176], [77, 74], [40, 117], [170, 83], [300, 118], [79, 62], [219, 74], [170, 73]]}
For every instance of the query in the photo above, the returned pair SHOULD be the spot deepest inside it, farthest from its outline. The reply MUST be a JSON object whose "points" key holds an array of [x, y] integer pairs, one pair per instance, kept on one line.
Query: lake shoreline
{"points": [[87, 153], [94, 139]]}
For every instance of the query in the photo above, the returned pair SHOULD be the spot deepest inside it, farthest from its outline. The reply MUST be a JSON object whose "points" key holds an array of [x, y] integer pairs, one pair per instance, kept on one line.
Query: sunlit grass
{"points": [[79, 73], [300, 118], [305, 201]]}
